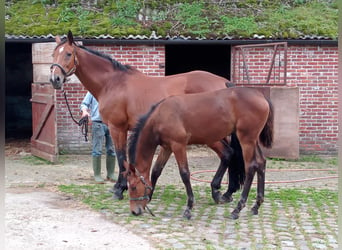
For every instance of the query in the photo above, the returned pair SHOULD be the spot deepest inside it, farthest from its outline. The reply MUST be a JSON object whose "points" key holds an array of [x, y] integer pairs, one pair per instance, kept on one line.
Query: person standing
{"points": [[100, 132]]}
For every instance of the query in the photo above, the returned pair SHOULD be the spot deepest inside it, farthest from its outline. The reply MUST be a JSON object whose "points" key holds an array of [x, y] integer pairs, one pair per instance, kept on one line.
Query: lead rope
{"points": [[83, 122], [150, 211]]}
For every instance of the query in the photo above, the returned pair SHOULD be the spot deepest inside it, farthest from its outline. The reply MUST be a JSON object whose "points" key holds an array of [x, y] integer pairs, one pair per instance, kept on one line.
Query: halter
{"points": [[71, 71], [145, 196]]}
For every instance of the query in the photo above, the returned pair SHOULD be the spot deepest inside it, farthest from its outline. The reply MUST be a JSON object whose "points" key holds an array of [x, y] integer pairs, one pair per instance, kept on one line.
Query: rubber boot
{"points": [[97, 169], [110, 165]]}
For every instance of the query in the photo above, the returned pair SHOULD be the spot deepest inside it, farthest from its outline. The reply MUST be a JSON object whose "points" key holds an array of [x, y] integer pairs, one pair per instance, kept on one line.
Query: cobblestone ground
{"points": [[277, 226]]}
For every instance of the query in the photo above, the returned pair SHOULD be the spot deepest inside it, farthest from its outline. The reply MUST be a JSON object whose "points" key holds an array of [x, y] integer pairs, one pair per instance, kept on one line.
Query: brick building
{"points": [[184, 36], [311, 68]]}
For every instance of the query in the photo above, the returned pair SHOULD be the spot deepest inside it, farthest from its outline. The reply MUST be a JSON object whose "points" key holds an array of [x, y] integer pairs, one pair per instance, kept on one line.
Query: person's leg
{"points": [[97, 138], [110, 155]]}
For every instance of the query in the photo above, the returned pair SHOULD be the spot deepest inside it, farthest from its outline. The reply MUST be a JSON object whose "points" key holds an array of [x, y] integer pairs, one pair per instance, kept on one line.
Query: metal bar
{"points": [[260, 45], [233, 63], [272, 63], [285, 63], [245, 66]]}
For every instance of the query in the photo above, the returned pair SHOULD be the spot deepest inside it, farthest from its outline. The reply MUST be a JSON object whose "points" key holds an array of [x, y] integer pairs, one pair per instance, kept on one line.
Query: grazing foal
{"points": [[202, 118]]}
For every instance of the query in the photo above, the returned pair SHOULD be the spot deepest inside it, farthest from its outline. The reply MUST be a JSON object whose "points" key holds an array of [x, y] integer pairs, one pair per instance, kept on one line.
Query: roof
{"points": [[173, 20], [152, 39]]}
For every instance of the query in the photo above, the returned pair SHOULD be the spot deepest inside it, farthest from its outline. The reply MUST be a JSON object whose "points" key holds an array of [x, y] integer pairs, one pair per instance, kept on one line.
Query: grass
{"points": [[310, 158], [34, 160], [305, 162], [297, 206]]}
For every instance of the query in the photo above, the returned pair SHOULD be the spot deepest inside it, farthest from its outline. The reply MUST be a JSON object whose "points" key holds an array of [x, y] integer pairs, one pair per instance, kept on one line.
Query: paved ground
{"points": [[38, 214], [41, 219]]}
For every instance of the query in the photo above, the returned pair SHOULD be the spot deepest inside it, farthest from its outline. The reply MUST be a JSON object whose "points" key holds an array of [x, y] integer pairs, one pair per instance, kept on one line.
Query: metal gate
{"points": [[260, 64], [43, 140]]}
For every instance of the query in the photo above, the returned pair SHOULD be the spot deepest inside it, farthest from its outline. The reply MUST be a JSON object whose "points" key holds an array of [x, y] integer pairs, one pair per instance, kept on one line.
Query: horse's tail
{"points": [[266, 136], [236, 168]]}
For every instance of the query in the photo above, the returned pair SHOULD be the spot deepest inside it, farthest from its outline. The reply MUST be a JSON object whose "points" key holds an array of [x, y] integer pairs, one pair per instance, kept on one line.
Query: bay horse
{"points": [[201, 118], [124, 93]]}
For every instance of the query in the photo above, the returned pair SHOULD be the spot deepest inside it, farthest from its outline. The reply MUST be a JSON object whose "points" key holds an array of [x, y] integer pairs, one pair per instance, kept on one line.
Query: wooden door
{"points": [[44, 129]]}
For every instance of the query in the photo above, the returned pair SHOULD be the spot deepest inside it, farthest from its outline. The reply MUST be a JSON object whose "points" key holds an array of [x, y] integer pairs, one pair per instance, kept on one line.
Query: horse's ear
{"points": [[58, 40], [70, 38]]}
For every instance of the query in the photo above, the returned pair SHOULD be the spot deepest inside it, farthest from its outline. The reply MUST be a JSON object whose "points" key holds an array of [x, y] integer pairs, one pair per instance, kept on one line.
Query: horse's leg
{"points": [[261, 181], [248, 150], [181, 158], [163, 157], [224, 152], [120, 140]]}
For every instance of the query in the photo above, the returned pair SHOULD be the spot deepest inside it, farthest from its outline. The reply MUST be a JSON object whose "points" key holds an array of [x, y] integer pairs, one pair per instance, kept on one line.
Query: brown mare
{"points": [[124, 93], [201, 118]]}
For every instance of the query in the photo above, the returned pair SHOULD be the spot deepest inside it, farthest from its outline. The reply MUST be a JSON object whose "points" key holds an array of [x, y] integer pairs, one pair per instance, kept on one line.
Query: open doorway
{"points": [[19, 76], [182, 58]]}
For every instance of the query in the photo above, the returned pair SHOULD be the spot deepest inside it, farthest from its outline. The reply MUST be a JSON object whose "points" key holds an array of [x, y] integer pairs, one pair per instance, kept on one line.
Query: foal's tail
{"points": [[266, 136]]}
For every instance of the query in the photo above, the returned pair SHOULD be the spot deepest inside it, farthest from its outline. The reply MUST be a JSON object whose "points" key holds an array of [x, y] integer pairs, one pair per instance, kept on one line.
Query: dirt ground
{"points": [[40, 217]]}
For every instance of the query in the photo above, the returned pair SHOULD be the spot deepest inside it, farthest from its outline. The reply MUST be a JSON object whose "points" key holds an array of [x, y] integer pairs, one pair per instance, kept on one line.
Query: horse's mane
{"points": [[116, 64], [133, 139]]}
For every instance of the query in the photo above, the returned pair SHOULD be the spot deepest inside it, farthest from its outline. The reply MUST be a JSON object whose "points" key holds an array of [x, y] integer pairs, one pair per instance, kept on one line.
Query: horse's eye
{"points": [[133, 188], [69, 54]]}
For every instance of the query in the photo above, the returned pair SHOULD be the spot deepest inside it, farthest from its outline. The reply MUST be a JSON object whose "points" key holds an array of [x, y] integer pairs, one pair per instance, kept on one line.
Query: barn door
{"points": [[260, 64], [43, 140]]}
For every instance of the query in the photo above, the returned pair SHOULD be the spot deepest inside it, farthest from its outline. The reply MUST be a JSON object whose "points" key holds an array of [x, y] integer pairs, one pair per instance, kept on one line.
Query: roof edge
{"points": [[138, 40]]}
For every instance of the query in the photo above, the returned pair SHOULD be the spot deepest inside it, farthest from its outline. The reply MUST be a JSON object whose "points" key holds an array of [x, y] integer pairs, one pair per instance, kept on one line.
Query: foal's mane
{"points": [[133, 139]]}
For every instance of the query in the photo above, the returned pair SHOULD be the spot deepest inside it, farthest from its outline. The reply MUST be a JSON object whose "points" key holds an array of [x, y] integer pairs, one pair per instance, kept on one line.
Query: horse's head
{"points": [[139, 189], [64, 61]]}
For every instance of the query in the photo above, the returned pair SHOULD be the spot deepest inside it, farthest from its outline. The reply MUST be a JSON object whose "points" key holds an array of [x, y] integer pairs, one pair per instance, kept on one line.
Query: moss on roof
{"points": [[198, 19]]}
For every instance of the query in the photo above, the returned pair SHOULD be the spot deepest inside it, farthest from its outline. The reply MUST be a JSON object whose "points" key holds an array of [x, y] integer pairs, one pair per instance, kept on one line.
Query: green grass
{"points": [[310, 158], [98, 197], [34, 160]]}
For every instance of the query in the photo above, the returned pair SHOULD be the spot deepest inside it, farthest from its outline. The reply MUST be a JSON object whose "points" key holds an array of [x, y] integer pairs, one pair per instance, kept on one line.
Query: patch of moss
{"points": [[312, 19], [276, 18]]}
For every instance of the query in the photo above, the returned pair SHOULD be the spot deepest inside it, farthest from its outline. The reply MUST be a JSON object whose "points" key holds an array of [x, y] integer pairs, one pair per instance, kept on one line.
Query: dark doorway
{"points": [[183, 58], [19, 76]]}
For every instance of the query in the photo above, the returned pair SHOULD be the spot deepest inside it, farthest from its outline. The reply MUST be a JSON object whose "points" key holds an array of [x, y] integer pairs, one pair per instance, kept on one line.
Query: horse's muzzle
{"points": [[57, 81], [137, 211]]}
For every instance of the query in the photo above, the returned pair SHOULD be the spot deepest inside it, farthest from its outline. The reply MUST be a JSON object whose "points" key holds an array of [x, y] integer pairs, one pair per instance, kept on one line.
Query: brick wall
{"points": [[313, 69], [148, 59]]}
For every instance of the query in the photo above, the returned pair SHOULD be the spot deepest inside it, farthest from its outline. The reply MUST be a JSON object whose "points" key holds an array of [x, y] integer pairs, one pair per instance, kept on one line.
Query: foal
{"points": [[202, 118]]}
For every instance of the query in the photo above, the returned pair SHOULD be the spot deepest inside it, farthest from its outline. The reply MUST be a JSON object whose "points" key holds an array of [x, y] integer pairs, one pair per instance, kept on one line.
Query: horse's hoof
{"points": [[117, 195], [234, 215], [187, 214], [254, 211], [224, 199], [216, 196]]}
